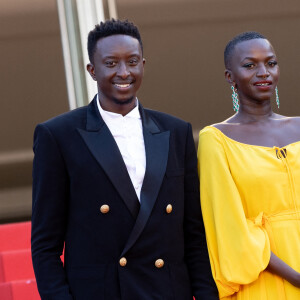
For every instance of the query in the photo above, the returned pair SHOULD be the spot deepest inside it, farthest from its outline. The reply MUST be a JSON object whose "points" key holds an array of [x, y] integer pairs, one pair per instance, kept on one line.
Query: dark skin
{"points": [[253, 63], [118, 68], [254, 72]]}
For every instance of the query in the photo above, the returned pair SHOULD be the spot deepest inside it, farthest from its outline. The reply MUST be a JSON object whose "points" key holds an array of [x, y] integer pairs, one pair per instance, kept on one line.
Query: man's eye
{"points": [[133, 61], [110, 63]]}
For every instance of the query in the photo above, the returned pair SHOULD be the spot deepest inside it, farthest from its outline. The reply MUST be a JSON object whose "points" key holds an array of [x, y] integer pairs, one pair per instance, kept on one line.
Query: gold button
{"points": [[159, 263], [169, 208], [104, 208], [123, 262]]}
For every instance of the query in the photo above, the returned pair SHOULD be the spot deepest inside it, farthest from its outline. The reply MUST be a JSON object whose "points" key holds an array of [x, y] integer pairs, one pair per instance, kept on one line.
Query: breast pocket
{"points": [[173, 187], [175, 173]]}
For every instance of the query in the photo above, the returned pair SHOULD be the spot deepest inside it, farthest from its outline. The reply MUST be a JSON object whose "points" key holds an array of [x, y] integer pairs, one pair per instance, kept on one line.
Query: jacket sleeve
{"points": [[49, 216], [239, 248], [196, 254]]}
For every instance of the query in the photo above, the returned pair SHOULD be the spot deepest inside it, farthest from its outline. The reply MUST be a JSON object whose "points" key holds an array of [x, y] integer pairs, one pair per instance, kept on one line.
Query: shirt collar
{"points": [[135, 113]]}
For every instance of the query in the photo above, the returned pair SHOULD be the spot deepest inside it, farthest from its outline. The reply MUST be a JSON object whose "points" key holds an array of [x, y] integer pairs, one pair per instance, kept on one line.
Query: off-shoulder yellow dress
{"points": [[250, 197]]}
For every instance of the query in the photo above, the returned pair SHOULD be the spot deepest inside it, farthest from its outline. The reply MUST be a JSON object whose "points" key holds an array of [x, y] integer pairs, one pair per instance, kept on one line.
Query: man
{"points": [[117, 185]]}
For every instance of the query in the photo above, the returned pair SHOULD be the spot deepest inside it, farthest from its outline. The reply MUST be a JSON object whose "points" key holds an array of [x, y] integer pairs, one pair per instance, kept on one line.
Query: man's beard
{"points": [[117, 101]]}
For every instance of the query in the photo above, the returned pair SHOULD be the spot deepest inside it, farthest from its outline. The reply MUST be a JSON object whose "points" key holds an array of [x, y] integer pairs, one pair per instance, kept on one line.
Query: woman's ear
{"points": [[228, 77]]}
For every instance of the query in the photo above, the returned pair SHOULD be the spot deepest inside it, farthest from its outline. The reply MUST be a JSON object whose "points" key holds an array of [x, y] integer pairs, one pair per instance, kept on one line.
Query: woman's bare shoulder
{"points": [[227, 125], [295, 120], [293, 124]]}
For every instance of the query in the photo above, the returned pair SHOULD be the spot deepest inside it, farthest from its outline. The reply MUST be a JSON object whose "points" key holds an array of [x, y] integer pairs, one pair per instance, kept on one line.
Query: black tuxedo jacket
{"points": [[113, 254]]}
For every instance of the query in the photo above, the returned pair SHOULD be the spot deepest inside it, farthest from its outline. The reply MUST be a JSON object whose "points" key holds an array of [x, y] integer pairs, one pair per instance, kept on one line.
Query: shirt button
{"points": [[123, 262]]}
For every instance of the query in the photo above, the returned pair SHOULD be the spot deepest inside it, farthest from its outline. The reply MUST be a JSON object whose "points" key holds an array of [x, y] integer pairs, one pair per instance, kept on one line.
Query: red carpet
{"points": [[15, 236], [19, 290], [17, 280]]}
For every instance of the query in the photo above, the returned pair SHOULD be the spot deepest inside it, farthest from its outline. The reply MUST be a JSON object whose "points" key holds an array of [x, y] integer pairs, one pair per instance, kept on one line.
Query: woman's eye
{"points": [[272, 63], [248, 66]]}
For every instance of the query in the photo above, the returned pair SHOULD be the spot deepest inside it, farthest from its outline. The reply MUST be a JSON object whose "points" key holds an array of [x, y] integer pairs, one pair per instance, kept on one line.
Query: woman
{"points": [[249, 170]]}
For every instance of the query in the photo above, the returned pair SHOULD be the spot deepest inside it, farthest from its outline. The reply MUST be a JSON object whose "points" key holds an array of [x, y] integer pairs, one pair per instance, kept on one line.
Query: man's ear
{"points": [[90, 68], [144, 61], [229, 77]]}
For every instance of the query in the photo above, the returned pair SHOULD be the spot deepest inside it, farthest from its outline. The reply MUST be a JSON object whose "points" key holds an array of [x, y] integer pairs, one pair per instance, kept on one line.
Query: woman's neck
{"points": [[255, 112]]}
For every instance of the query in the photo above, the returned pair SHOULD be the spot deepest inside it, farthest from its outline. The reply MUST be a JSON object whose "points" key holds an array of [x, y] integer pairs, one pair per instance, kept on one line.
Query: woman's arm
{"points": [[280, 268], [234, 242]]}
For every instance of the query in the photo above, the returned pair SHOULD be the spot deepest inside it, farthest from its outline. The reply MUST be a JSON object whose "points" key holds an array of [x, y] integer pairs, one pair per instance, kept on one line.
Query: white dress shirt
{"points": [[128, 133]]}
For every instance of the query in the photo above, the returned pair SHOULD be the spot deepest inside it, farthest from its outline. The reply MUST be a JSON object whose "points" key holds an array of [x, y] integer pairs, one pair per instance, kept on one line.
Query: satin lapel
{"points": [[105, 150], [157, 150]]}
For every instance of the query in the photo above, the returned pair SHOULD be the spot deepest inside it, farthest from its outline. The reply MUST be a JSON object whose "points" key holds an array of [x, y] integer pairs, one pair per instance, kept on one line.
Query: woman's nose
{"points": [[262, 71]]}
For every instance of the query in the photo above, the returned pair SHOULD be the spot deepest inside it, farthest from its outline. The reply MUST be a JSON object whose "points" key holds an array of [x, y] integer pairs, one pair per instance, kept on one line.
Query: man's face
{"points": [[118, 69]]}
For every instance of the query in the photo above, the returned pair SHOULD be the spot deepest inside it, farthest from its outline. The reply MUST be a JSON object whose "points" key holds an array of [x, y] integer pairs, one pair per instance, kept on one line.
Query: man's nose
{"points": [[123, 70]]}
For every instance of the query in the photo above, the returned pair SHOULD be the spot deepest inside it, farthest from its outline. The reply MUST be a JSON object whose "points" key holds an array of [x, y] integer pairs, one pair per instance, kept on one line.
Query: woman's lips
{"points": [[263, 85]]}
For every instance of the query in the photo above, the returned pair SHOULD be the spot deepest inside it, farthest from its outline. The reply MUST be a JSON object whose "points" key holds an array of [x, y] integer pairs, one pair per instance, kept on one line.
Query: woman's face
{"points": [[254, 70]]}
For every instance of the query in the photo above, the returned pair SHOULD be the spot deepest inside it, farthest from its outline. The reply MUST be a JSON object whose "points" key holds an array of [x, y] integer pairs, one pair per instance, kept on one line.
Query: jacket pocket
{"points": [[87, 282]]}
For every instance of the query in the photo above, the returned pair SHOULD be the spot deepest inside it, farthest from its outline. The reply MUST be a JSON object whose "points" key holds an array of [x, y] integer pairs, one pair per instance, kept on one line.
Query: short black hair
{"points": [[108, 28], [244, 36]]}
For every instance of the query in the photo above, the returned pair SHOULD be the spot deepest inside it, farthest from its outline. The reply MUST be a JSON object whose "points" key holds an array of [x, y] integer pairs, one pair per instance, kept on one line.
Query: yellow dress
{"points": [[250, 197]]}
